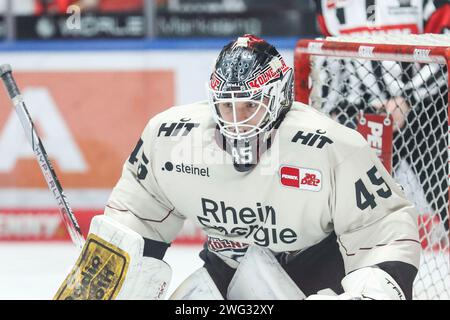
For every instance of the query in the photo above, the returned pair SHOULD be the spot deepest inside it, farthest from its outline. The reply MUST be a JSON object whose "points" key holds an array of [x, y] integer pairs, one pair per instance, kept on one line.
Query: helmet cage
{"points": [[266, 97]]}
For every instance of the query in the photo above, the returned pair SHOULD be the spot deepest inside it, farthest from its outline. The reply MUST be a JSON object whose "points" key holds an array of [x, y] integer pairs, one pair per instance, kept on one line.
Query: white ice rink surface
{"points": [[34, 271]]}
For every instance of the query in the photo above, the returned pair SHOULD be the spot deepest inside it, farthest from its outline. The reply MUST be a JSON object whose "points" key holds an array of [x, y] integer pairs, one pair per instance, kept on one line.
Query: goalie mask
{"points": [[250, 91]]}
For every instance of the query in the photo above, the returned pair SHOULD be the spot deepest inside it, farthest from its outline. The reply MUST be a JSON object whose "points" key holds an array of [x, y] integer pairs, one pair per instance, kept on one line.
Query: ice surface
{"points": [[34, 271]]}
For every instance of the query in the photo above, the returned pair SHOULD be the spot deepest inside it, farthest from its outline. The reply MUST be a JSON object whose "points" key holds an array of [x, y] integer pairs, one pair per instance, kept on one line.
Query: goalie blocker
{"points": [[117, 263]]}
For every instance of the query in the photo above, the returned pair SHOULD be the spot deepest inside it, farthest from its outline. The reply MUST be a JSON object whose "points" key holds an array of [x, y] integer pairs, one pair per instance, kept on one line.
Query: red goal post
{"points": [[344, 76]]}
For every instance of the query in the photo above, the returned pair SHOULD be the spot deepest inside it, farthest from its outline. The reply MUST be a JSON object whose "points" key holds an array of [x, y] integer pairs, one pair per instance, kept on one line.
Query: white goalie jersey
{"points": [[317, 177]]}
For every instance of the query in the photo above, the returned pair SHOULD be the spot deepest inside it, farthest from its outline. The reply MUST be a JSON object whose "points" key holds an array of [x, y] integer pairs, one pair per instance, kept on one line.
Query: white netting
{"points": [[342, 87]]}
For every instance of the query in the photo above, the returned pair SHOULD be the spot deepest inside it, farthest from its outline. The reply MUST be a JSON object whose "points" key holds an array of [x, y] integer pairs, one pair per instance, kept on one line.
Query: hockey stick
{"points": [[41, 155]]}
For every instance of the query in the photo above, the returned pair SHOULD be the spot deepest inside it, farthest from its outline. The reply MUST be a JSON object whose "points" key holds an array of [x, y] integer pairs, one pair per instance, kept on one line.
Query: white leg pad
{"points": [[112, 266], [198, 286], [259, 276]]}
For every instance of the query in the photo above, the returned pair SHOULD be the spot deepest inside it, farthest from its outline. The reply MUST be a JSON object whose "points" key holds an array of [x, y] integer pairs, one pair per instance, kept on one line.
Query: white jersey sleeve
{"points": [[373, 220], [137, 201]]}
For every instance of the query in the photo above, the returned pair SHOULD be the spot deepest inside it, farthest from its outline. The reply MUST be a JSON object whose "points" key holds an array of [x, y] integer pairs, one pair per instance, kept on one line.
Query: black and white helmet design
{"points": [[250, 70]]}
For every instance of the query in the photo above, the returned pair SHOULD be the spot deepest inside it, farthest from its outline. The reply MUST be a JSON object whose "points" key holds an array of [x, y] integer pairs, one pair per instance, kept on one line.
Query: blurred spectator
{"points": [[52, 6], [111, 5], [60, 6]]}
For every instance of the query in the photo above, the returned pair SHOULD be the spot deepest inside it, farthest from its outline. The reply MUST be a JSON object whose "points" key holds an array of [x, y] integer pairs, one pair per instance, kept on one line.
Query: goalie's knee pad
{"points": [[112, 266], [198, 286], [259, 276]]}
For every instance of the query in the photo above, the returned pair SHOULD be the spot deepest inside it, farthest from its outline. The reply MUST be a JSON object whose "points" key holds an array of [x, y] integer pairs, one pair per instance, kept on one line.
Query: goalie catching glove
{"points": [[112, 265], [369, 283]]}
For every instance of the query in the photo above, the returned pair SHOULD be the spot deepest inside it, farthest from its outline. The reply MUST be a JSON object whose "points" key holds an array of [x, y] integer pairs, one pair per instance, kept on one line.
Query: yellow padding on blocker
{"points": [[98, 273]]}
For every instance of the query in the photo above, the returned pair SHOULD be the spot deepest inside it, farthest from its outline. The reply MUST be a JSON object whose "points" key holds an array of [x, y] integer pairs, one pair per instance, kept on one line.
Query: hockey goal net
{"points": [[405, 79]]}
